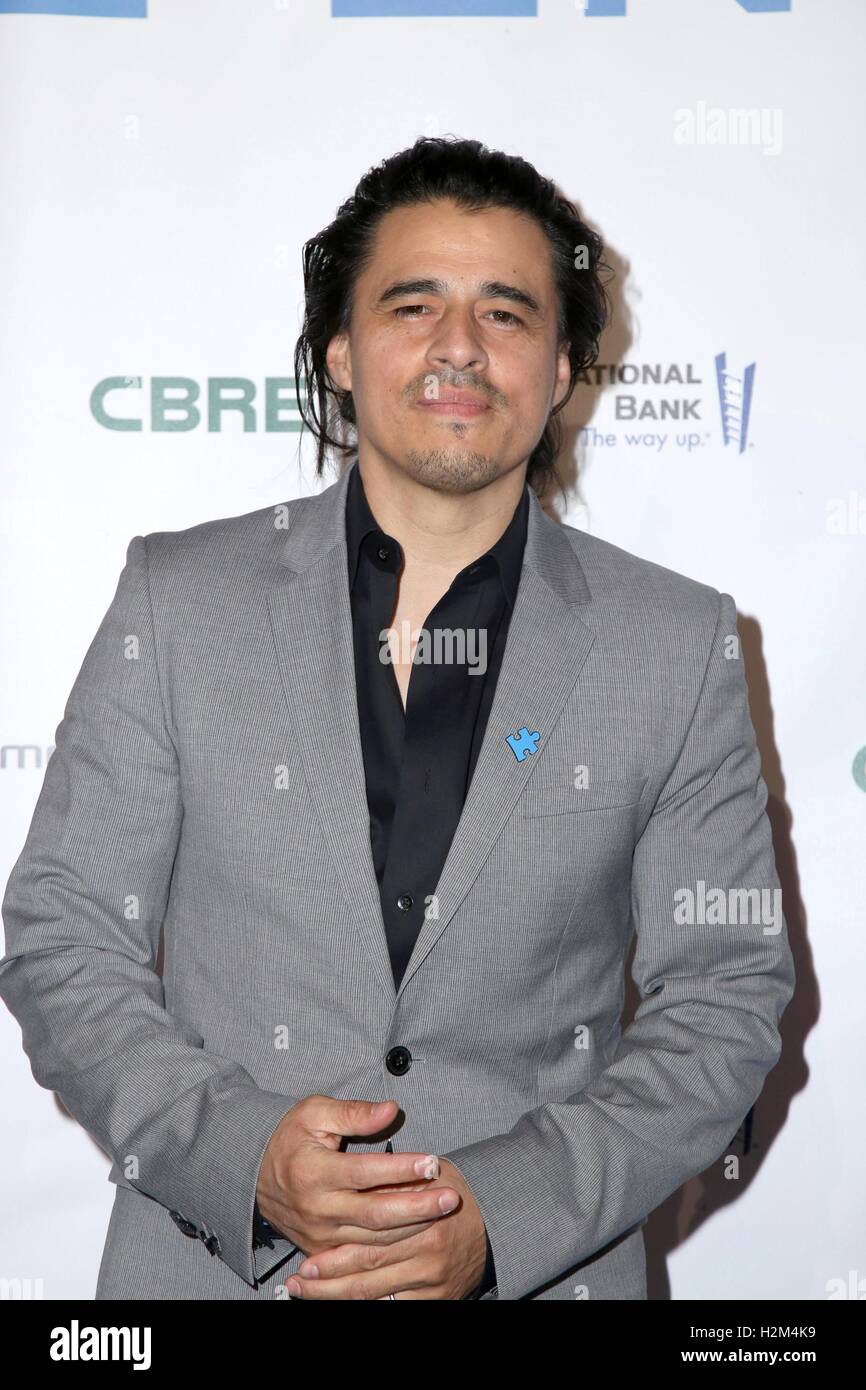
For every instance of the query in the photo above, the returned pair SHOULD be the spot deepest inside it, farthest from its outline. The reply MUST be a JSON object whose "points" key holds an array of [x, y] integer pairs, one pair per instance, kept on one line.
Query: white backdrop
{"points": [[158, 176]]}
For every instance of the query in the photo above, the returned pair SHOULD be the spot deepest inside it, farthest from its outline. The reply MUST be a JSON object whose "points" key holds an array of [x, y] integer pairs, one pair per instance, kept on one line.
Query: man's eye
{"points": [[412, 311]]}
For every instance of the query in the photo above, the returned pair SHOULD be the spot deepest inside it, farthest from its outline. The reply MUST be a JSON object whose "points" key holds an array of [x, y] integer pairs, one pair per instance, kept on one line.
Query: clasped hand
{"points": [[368, 1226]]}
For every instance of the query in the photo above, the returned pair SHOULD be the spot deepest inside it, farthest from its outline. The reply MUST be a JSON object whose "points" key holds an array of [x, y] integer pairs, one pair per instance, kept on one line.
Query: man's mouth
{"points": [[465, 404]]}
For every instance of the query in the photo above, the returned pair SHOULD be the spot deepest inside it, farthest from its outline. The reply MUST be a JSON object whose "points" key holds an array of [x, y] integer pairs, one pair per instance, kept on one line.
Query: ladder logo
{"points": [[735, 401]]}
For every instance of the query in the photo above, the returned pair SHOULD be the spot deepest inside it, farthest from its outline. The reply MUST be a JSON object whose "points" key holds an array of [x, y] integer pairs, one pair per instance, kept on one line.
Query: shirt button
{"points": [[383, 552], [404, 902]]}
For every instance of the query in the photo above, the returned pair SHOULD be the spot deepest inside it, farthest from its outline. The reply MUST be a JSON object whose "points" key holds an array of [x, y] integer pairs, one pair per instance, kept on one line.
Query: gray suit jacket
{"points": [[208, 779]]}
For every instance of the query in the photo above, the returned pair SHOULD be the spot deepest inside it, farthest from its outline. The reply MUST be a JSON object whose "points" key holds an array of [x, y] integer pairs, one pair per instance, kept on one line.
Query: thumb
{"points": [[328, 1115]]}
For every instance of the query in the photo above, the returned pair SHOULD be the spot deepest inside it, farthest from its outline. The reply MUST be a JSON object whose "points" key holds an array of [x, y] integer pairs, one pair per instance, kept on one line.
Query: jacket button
{"points": [[188, 1227], [398, 1060]]}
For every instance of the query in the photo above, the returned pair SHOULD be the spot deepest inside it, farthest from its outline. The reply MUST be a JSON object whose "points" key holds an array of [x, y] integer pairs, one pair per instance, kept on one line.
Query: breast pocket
{"points": [[558, 796]]}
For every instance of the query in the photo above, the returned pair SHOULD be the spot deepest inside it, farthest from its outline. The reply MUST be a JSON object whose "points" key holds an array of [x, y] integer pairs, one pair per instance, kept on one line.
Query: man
{"points": [[398, 882]]}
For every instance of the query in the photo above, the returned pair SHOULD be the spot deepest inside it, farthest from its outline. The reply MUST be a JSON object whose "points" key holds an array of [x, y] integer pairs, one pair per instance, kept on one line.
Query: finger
{"points": [[373, 1284], [358, 1235], [374, 1212], [355, 1258], [360, 1171]]}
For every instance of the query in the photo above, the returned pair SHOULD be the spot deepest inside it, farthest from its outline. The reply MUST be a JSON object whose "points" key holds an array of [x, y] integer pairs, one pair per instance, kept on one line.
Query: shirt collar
{"points": [[507, 552], [360, 521]]}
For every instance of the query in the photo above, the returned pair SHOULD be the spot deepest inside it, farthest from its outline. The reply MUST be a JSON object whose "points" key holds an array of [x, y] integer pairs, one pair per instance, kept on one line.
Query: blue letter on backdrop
{"points": [[600, 8], [418, 9], [95, 9]]}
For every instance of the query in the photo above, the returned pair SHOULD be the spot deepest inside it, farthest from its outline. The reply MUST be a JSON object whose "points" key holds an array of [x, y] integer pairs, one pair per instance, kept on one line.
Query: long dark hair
{"points": [[474, 177]]}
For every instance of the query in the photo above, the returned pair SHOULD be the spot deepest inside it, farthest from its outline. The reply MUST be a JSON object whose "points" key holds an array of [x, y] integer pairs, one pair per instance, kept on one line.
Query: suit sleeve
{"points": [[83, 910], [573, 1175]]}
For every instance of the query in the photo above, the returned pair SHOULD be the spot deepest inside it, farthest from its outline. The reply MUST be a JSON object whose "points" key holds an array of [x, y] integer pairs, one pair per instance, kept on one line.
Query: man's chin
{"points": [[452, 470]]}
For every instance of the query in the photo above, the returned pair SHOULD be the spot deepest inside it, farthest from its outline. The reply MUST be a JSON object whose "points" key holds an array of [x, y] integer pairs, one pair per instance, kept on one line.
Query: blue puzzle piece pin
{"points": [[522, 742]]}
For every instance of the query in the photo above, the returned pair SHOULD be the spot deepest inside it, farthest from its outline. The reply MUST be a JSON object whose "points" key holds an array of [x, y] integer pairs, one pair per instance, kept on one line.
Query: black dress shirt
{"points": [[418, 763]]}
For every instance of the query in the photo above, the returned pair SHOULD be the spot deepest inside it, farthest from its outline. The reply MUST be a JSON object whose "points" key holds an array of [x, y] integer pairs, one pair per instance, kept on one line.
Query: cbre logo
{"points": [[506, 9]]}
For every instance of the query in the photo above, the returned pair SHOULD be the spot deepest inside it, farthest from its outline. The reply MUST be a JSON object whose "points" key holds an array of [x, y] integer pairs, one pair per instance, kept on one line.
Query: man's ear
{"points": [[563, 373], [338, 357]]}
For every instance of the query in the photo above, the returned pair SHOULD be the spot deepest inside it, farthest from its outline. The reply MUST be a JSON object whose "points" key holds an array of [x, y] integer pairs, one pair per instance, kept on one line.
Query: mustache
{"points": [[431, 384]]}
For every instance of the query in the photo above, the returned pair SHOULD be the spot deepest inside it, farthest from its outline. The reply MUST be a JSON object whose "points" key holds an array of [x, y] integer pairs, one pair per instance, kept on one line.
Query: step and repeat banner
{"points": [[162, 164]]}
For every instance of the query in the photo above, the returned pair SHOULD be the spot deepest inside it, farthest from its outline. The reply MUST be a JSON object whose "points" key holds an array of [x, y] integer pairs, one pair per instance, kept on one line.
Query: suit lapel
{"points": [[311, 616], [312, 624], [546, 648]]}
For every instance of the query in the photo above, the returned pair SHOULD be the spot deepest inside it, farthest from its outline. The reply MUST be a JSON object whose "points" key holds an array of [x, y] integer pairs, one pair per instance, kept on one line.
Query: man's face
{"points": [[453, 303]]}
